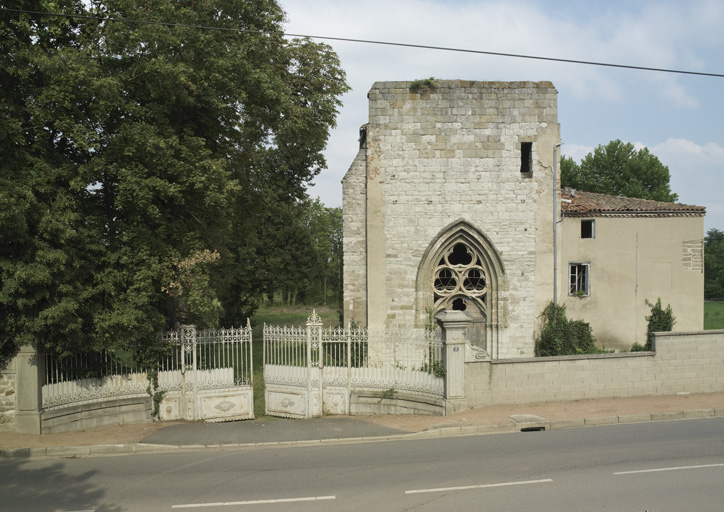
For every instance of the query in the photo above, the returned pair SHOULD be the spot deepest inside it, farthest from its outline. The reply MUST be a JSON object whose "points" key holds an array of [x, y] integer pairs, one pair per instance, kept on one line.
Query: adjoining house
{"points": [[620, 252], [452, 202]]}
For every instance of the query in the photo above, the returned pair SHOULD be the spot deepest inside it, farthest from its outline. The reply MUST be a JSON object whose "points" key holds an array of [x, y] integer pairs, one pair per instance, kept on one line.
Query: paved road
{"points": [[662, 466]]}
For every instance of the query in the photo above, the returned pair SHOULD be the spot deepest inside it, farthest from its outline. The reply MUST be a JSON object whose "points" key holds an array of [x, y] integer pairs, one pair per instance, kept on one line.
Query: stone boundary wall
{"points": [[683, 362], [8, 393], [97, 414], [368, 402]]}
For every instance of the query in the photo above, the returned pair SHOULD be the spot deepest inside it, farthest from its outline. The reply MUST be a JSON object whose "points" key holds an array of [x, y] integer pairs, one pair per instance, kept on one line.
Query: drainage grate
{"points": [[533, 429]]}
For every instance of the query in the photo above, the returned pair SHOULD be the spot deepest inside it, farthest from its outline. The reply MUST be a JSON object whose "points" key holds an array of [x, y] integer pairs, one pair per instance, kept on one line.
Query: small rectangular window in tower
{"points": [[526, 157], [588, 229]]}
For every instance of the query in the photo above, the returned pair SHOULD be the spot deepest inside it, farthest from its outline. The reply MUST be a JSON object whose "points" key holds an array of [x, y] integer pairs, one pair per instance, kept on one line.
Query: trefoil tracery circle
{"points": [[459, 279]]}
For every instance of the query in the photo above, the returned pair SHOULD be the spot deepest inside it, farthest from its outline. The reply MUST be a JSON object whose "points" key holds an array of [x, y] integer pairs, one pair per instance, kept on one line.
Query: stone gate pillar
{"points": [[454, 325], [29, 385]]}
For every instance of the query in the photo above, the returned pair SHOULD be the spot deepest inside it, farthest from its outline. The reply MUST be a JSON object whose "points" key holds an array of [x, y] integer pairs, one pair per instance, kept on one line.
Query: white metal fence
{"points": [[310, 370], [197, 370], [219, 358], [92, 376]]}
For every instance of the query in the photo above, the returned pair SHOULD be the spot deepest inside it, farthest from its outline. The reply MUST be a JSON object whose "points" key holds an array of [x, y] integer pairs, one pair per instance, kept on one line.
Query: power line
{"points": [[371, 41], [515, 55]]}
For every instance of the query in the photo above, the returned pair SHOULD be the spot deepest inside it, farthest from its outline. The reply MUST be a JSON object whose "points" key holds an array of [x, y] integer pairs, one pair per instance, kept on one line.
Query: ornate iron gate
{"points": [[310, 371], [208, 375]]}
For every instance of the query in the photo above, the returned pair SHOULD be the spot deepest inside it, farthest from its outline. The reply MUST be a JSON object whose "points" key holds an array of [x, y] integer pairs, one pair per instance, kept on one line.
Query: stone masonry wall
{"points": [[454, 153], [692, 257], [355, 243], [8, 393], [683, 362]]}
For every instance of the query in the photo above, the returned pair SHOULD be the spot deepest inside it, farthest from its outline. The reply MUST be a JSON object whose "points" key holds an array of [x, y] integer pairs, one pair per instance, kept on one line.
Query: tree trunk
{"points": [[324, 290]]}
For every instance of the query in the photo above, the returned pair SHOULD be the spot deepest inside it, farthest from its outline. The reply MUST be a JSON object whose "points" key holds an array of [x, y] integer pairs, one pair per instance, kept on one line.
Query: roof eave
{"points": [[635, 213]]}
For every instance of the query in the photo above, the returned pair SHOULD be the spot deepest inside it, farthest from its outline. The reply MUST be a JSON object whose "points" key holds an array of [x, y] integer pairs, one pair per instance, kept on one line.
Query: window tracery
{"points": [[459, 280]]}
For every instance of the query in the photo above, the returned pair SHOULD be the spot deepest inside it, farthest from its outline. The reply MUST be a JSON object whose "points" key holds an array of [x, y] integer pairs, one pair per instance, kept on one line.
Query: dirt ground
{"points": [[550, 411], [558, 411], [115, 434]]}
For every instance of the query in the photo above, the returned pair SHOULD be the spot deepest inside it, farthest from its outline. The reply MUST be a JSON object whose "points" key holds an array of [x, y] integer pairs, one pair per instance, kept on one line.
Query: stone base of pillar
{"points": [[28, 423], [453, 405]]}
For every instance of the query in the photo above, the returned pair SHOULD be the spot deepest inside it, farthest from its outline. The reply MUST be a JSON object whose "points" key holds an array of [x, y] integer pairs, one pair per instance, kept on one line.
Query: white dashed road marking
{"points": [[679, 468], [257, 502], [486, 486]]}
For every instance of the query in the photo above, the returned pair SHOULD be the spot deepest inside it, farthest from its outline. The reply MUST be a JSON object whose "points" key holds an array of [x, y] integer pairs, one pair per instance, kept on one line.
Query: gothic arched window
{"points": [[459, 280]]}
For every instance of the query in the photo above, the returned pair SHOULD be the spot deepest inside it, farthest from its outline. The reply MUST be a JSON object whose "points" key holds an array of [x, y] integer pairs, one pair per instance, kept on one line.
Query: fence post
{"points": [[29, 385], [309, 370], [453, 325], [188, 344], [349, 367], [195, 367], [314, 341], [248, 352]]}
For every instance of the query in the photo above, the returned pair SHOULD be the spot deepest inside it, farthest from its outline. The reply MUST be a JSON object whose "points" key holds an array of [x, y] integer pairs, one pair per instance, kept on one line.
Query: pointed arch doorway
{"points": [[462, 271]]}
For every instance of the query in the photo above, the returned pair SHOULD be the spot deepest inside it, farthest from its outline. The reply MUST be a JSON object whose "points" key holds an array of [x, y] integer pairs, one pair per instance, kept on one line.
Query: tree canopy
{"points": [[619, 169], [144, 163], [714, 264]]}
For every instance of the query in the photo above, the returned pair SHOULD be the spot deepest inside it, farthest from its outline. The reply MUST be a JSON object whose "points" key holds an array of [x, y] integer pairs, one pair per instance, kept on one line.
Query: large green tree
{"points": [[139, 160], [325, 225], [301, 259], [714, 264], [618, 168]]}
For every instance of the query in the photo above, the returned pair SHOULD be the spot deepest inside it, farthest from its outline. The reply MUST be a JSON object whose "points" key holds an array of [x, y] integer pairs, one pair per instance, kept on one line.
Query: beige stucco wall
{"points": [[633, 259], [442, 156]]}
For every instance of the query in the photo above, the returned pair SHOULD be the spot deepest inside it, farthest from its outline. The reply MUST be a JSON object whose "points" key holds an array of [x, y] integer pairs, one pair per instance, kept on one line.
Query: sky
{"points": [[679, 118]]}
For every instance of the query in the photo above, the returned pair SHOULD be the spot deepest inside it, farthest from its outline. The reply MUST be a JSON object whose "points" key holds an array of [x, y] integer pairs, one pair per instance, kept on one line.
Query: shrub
{"points": [[660, 320], [424, 85], [562, 337]]}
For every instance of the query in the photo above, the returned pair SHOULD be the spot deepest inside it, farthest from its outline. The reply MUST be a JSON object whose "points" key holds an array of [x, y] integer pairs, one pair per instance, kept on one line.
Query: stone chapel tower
{"points": [[448, 205]]}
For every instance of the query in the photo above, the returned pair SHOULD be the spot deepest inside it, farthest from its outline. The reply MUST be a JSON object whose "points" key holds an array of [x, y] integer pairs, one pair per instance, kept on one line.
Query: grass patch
{"points": [[713, 315], [291, 316], [279, 316]]}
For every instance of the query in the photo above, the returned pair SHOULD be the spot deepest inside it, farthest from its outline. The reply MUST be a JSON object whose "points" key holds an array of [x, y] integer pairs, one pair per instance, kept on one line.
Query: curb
{"points": [[55, 452]]}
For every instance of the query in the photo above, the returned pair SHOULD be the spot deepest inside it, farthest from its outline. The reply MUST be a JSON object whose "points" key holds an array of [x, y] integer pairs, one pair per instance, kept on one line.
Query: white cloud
{"points": [[577, 152], [686, 149], [696, 174], [654, 35]]}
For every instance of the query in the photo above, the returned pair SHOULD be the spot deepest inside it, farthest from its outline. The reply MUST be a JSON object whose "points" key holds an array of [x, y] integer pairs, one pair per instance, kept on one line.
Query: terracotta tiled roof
{"points": [[576, 202]]}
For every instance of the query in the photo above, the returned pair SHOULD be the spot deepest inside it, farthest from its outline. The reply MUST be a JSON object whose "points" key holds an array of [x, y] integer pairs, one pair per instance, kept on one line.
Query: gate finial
{"points": [[315, 318]]}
